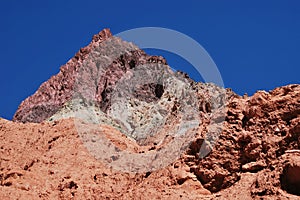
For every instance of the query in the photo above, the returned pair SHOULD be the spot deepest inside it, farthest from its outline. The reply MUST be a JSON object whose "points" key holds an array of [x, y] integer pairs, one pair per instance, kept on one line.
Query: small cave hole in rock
{"points": [[132, 64], [8, 184], [181, 181], [72, 184], [290, 179], [244, 121], [147, 174], [159, 90]]}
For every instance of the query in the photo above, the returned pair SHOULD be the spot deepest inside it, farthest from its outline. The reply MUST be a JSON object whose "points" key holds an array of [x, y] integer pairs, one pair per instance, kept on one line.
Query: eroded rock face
{"points": [[241, 147], [137, 93], [252, 140], [270, 151], [91, 74]]}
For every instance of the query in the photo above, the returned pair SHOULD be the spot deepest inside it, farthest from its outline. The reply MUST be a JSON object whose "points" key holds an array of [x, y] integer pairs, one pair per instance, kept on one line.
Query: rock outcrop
{"points": [[96, 68], [161, 135]]}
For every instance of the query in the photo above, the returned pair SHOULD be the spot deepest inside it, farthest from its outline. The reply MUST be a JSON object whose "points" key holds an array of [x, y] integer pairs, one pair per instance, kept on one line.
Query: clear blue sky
{"points": [[255, 44]]}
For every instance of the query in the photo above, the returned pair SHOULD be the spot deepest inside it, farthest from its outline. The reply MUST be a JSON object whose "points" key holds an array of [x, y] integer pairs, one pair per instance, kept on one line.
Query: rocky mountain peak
{"points": [[102, 35], [131, 127], [117, 56]]}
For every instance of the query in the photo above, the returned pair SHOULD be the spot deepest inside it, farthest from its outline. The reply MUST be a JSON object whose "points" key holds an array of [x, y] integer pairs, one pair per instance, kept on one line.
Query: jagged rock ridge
{"points": [[59, 89]]}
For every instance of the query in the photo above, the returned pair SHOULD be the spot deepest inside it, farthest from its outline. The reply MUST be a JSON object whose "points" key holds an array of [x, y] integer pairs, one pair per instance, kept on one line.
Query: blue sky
{"points": [[255, 44]]}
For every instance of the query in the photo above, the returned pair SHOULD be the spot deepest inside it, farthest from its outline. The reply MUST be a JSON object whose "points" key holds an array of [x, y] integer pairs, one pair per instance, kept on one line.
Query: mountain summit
{"points": [[119, 56], [116, 123]]}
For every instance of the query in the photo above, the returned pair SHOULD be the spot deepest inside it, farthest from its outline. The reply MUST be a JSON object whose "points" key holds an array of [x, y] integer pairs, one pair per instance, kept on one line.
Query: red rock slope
{"points": [[257, 156]]}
